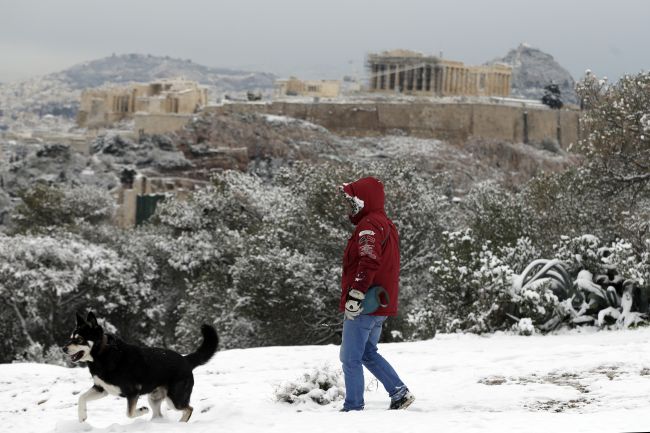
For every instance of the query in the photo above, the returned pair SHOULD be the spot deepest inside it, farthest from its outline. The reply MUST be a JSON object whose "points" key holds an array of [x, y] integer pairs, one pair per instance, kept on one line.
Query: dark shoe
{"points": [[402, 403]]}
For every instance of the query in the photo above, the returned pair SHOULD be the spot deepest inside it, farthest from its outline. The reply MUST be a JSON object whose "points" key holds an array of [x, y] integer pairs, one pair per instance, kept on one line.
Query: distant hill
{"points": [[58, 93], [127, 68], [533, 69]]}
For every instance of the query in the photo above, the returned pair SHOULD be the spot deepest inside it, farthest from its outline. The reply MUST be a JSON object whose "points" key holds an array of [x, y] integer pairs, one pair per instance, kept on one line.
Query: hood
{"points": [[371, 191]]}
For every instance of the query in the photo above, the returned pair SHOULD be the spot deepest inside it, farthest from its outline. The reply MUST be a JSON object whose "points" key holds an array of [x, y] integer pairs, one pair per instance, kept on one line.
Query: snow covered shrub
{"points": [[322, 385], [622, 256], [580, 253], [469, 288], [497, 215], [36, 353], [524, 326], [519, 255]]}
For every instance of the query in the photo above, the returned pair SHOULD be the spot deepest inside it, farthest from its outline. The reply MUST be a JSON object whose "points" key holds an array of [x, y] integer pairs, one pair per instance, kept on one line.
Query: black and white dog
{"points": [[119, 368]]}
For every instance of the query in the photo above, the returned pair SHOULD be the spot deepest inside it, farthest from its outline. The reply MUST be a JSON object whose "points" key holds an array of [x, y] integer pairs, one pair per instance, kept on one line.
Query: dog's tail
{"points": [[207, 349]]}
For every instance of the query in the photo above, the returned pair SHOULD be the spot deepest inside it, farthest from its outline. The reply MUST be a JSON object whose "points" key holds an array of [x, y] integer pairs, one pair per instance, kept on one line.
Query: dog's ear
{"points": [[80, 321], [92, 320]]}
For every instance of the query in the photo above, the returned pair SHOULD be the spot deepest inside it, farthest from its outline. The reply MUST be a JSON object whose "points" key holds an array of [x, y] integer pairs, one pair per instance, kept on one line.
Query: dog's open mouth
{"points": [[77, 356]]}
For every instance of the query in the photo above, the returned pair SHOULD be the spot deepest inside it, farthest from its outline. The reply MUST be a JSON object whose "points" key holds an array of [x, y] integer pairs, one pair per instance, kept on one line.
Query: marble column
{"points": [[373, 78], [454, 80], [445, 79], [396, 82]]}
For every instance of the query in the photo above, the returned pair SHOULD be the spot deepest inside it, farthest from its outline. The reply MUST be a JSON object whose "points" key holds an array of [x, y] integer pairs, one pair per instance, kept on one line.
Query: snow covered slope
{"points": [[577, 382]]}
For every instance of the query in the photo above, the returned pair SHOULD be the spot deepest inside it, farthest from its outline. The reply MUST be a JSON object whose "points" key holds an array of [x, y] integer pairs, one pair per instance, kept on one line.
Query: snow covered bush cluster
{"points": [[476, 288], [322, 385], [464, 284]]}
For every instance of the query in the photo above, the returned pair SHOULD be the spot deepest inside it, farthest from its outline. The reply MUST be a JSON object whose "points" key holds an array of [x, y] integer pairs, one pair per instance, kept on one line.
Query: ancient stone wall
{"points": [[454, 122], [160, 123], [311, 88]]}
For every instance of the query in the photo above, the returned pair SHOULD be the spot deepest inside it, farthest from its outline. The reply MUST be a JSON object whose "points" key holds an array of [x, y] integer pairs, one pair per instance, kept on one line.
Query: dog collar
{"points": [[104, 343]]}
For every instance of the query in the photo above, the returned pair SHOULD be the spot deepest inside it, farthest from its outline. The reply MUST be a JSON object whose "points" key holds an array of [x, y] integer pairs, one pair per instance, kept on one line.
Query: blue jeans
{"points": [[358, 349]]}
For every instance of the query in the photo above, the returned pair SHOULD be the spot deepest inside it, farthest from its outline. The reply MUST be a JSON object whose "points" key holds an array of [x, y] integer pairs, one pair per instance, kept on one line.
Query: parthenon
{"points": [[410, 72]]}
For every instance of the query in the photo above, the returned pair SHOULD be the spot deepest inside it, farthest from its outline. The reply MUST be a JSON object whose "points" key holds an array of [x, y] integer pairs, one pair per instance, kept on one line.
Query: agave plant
{"points": [[600, 300], [545, 271], [541, 272], [620, 307]]}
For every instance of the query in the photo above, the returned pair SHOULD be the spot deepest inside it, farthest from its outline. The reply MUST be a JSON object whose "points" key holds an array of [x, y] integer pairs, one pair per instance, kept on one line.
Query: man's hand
{"points": [[353, 304]]}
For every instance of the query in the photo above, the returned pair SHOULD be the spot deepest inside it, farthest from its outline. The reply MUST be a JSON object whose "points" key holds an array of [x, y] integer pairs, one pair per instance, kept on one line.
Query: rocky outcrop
{"points": [[259, 142], [533, 69], [264, 143], [475, 161]]}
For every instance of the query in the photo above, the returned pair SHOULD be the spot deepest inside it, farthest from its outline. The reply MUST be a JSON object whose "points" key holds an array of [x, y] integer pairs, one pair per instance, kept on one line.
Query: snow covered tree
{"points": [[552, 96], [45, 206], [496, 214], [617, 121], [44, 280], [572, 203]]}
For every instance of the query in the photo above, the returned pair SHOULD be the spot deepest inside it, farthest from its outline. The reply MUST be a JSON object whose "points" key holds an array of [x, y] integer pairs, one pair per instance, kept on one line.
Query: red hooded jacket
{"points": [[372, 254]]}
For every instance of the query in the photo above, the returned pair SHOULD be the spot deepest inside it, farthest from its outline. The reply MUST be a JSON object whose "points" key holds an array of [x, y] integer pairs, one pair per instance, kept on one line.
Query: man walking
{"points": [[371, 266]]}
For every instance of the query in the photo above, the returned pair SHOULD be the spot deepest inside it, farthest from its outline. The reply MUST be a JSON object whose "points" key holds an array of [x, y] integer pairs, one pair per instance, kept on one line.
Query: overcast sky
{"points": [[321, 38]]}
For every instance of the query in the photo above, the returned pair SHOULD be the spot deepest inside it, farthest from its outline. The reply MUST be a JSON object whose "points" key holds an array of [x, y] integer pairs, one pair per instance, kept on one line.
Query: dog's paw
{"points": [[83, 416]]}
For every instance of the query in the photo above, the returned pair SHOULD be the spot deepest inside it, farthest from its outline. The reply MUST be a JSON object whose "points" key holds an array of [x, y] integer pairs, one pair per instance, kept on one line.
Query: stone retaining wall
{"points": [[454, 122]]}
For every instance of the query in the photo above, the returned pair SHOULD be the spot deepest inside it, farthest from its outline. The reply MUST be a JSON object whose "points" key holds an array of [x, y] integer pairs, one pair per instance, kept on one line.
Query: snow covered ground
{"points": [[579, 381]]}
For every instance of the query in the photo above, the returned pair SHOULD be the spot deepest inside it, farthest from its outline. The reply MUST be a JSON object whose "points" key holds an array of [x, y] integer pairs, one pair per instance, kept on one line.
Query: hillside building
{"points": [[139, 195], [311, 88], [413, 73], [105, 106]]}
